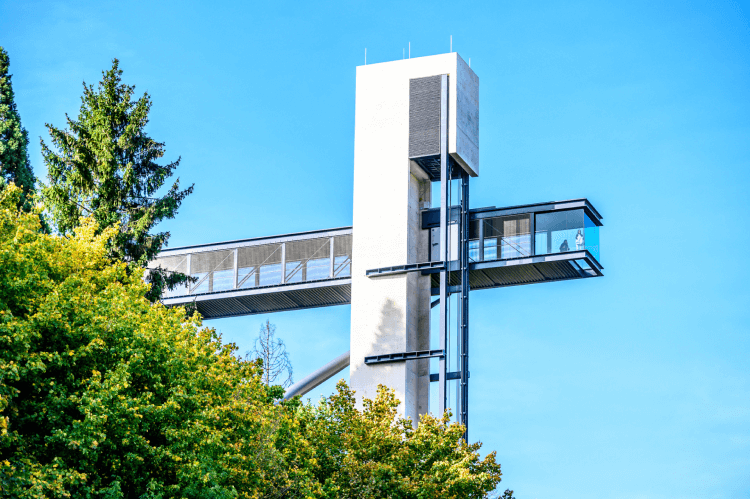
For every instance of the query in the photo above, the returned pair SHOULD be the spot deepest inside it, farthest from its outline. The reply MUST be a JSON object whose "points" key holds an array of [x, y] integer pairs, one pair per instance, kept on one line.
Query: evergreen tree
{"points": [[14, 139], [105, 168]]}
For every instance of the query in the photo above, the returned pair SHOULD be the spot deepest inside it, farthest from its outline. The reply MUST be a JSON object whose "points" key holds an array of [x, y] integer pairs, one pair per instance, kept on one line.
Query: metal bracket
{"points": [[398, 357], [403, 269], [448, 376]]}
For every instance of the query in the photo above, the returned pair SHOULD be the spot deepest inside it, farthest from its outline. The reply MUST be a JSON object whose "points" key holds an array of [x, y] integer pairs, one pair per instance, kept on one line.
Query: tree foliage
{"points": [[351, 453], [105, 167], [104, 394], [277, 369], [14, 139]]}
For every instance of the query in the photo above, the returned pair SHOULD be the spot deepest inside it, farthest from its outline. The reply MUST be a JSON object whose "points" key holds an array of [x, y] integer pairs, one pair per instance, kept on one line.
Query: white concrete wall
{"points": [[391, 314], [463, 128]]}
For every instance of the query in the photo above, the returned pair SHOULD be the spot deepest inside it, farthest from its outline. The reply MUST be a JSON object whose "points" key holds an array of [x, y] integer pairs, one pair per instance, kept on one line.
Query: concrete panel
{"points": [[389, 314], [463, 137]]}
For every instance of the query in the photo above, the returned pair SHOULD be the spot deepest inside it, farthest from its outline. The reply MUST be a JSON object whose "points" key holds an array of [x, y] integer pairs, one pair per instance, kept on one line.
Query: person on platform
{"points": [[564, 247], [579, 240]]}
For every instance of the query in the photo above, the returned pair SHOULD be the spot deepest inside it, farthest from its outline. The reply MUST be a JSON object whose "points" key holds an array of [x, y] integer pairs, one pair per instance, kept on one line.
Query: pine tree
{"points": [[105, 168], [14, 139]]}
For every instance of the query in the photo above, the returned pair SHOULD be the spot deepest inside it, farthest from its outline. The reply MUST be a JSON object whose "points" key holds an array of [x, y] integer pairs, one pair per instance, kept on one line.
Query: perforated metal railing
{"points": [[259, 263]]}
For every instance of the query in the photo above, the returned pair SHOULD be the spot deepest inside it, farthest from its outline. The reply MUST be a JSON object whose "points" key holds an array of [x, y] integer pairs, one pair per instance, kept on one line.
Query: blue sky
{"points": [[635, 385]]}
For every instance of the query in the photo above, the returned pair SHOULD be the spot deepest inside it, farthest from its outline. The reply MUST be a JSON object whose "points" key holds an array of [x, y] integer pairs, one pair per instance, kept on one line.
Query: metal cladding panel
{"points": [[276, 299], [306, 249], [266, 254], [515, 275], [342, 245], [424, 116], [209, 261]]}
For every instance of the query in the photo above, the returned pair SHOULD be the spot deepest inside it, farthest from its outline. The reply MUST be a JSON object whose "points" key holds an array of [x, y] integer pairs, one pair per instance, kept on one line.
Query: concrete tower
{"points": [[405, 112]]}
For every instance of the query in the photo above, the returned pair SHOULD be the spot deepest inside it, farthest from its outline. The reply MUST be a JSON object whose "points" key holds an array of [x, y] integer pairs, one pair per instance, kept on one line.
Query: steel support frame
{"points": [[443, 302], [463, 331]]}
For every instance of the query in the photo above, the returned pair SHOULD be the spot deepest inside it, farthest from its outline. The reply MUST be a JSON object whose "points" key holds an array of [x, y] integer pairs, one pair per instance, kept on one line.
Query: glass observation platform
{"points": [[507, 247], [533, 243], [515, 245]]}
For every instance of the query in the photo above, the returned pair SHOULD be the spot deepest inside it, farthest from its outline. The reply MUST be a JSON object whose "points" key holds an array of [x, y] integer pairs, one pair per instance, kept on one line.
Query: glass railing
{"points": [[565, 231], [503, 238], [499, 238]]}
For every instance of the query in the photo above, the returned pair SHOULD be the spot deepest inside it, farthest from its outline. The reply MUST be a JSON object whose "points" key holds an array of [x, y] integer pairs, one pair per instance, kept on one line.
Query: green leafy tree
{"points": [[351, 453], [105, 167], [14, 139], [104, 394]]}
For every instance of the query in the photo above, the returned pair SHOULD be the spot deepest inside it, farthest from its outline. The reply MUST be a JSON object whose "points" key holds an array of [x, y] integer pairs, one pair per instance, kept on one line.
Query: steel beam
{"points": [[448, 376], [402, 356]]}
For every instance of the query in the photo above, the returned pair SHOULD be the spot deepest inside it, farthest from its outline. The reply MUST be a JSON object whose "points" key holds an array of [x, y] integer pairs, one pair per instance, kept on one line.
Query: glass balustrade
{"points": [[503, 238], [499, 238], [566, 231]]}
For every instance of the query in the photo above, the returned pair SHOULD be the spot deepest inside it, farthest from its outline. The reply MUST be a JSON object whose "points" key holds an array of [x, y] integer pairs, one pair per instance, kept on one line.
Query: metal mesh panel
{"points": [[342, 245], [516, 225], [306, 249], [250, 256], [211, 260], [506, 226], [424, 116], [173, 263]]}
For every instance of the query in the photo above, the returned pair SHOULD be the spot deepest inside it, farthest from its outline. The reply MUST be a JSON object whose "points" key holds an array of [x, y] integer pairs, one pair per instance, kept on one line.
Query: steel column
{"points": [[444, 213], [480, 257], [463, 332], [234, 280], [330, 271]]}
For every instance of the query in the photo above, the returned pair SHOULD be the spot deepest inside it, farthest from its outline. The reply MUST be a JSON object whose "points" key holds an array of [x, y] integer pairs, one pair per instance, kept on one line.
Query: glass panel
{"points": [[293, 272], [540, 243], [270, 275], [563, 229], [591, 237], [318, 269], [511, 233], [223, 280], [490, 249], [583, 264], [248, 275], [201, 287], [342, 266], [474, 229], [515, 246], [474, 251]]}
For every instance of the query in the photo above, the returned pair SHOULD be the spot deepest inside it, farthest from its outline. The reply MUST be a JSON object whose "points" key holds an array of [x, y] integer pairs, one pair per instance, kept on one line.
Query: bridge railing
{"points": [[257, 263]]}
